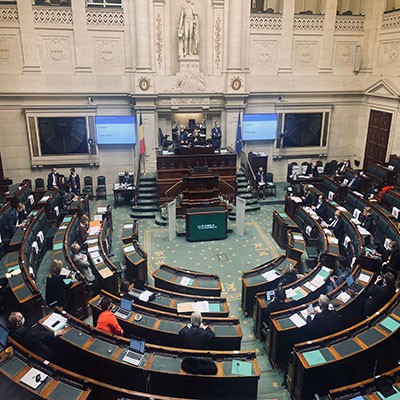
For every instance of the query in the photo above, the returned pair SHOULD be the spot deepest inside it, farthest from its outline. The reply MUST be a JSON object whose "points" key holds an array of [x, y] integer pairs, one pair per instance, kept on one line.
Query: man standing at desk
{"points": [[216, 135], [53, 179], [196, 335], [183, 135]]}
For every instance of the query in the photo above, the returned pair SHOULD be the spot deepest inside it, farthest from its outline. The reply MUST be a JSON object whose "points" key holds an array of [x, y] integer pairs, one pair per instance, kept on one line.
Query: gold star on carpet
{"points": [[275, 385], [231, 287]]}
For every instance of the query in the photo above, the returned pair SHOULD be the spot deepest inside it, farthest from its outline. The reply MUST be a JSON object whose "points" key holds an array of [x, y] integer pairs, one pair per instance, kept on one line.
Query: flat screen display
{"points": [[3, 336], [206, 226], [259, 126], [116, 130]]}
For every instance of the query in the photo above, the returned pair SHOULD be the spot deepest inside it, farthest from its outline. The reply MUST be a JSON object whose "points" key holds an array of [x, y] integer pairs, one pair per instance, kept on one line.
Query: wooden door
{"points": [[377, 137]]}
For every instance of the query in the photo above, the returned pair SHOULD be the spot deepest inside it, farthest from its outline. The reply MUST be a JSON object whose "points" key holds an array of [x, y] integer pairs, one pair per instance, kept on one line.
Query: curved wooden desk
{"points": [[329, 362], [96, 354], [162, 328], [135, 262], [186, 281]]}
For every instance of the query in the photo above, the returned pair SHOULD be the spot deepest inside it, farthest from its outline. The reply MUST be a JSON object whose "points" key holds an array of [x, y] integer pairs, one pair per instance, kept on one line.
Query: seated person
{"points": [[278, 304], [344, 271], [379, 293], [67, 199], [355, 183], [107, 321], [196, 335], [83, 231], [38, 341], [22, 214], [308, 197], [124, 288], [126, 179], [393, 262], [324, 322], [11, 220], [337, 226], [82, 263], [289, 275], [312, 170], [341, 169], [56, 293], [261, 182], [5, 293], [195, 138], [321, 208], [183, 135]]}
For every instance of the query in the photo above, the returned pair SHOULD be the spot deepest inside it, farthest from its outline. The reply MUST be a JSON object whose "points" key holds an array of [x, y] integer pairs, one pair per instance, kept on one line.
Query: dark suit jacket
{"points": [[368, 224], [183, 136], [355, 184], [56, 291], [324, 323], [216, 135], [11, 223], [394, 262], [50, 180], [74, 183], [338, 229], [322, 210], [275, 306], [196, 338], [313, 171], [378, 295]]}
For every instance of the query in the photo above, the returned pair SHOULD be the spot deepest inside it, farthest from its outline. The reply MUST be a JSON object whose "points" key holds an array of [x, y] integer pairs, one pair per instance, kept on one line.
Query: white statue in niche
{"points": [[188, 30]]}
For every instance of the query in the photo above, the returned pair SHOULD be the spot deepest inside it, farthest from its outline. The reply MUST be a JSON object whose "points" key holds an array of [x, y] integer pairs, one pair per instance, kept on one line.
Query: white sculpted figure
{"points": [[188, 30]]}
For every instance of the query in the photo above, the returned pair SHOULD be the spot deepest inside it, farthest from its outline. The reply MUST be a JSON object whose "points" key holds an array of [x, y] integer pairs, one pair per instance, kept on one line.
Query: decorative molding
{"points": [[107, 51], [52, 16], [391, 21], [57, 50], [9, 15], [218, 41], [308, 23], [8, 46], [236, 83], [264, 22], [344, 53], [159, 40], [306, 53], [144, 83], [110, 18], [264, 53], [382, 88], [349, 24], [389, 53]]}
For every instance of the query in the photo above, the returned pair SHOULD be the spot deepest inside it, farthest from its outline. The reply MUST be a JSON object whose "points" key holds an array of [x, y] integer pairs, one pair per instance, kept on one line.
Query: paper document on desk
{"points": [[55, 322], [344, 297], [270, 275], [144, 296], [101, 210], [185, 307], [92, 241], [128, 226], [318, 281], [185, 281], [129, 249], [310, 286], [296, 199], [93, 248], [364, 278], [290, 293], [105, 272], [97, 217], [94, 254], [12, 273], [33, 378], [65, 271], [95, 230], [201, 306], [297, 320]]}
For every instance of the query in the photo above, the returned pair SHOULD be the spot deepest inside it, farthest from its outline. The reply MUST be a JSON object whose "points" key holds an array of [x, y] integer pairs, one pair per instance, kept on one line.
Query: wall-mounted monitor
{"points": [[259, 126], [116, 129]]}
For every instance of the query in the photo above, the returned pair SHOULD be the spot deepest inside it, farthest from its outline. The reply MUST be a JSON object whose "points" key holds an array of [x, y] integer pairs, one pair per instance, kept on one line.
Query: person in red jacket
{"points": [[107, 321]]}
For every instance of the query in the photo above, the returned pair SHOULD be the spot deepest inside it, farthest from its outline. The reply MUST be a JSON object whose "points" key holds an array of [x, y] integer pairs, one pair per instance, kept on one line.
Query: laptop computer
{"points": [[124, 309], [136, 351], [356, 287], [3, 336]]}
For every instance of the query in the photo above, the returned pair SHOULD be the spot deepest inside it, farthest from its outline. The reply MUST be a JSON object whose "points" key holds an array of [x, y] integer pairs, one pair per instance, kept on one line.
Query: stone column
{"points": [[81, 38], [29, 41], [235, 40], [142, 34], [327, 42], [286, 45], [218, 36], [129, 35]]}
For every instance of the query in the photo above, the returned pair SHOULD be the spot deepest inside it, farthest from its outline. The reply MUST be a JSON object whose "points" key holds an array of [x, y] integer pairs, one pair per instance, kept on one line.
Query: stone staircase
{"points": [[147, 198]]}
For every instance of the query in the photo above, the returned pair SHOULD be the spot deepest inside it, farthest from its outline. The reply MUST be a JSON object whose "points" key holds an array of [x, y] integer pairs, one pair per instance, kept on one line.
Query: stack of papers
{"points": [[101, 210], [129, 249], [94, 230], [55, 322], [270, 275], [364, 277], [185, 281], [33, 378], [128, 226], [344, 297], [296, 199], [13, 272], [144, 296], [298, 320]]}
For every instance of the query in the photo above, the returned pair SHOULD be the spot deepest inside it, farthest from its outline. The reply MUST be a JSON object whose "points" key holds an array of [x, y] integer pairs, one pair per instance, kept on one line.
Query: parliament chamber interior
{"points": [[199, 199]]}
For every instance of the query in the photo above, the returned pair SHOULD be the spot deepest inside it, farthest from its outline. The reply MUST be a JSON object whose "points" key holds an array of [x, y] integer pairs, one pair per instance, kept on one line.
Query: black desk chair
{"points": [[101, 190], [39, 184], [88, 186]]}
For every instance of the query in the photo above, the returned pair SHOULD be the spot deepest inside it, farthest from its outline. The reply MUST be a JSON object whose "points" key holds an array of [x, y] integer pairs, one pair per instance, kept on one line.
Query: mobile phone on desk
{"points": [[311, 307]]}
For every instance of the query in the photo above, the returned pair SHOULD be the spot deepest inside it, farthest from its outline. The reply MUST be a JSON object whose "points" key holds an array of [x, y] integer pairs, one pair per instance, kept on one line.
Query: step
{"points": [[146, 202], [151, 207], [242, 185], [152, 185], [160, 220], [142, 214], [148, 177], [247, 195], [241, 179], [147, 192]]}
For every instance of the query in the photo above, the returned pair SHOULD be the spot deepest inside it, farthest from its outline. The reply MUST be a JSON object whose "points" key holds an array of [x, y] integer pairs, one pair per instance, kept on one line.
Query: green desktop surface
{"points": [[225, 330], [58, 246], [12, 258], [67, 219], [371, 336], [314, 357], [215, 307], [395, 396], [286, 323], [390, 324], [77, 337], [243, 368], [165, 274], [16, 280], [170, 326], [146, 321], [12, 366], [22, 293], [166, 364], [208, 283], [134, 257], [255, 278], [164, 300], [396, 311], [347, 347], [103, 348], [63, 391]]}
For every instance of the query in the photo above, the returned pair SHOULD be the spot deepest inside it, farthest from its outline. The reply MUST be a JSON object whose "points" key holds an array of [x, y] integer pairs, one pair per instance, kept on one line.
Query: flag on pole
{"points": [[239, 142], [142, 145]]}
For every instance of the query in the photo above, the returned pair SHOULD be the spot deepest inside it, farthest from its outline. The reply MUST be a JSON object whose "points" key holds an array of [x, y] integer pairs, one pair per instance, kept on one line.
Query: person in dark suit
{"points": [[11, 220], [53, 179], [5, 293], [196, 335], [324, 322], [393, 262], [278, 304], [261, 182], [74, 182], [341, 168], [344, 272], [367, 221], [312, 170], [83, 231], [38, 341], [183, 135], [22, 214], [289, 275], [337, 226], [321, 208], [195, 139], [216, 135], [308, 197], [56, 293], [379, 293], [355, 183]]}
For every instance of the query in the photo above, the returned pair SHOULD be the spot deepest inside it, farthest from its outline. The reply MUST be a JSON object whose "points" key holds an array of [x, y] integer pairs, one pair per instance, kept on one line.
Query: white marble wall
{"points": [[245, 62]]}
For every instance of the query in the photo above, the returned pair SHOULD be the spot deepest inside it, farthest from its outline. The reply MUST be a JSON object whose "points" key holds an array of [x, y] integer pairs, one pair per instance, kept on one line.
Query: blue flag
{"points": [[239, 142]]}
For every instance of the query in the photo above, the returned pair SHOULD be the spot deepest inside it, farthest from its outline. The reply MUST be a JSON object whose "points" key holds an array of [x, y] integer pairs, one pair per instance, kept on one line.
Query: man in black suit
{"points": [[308, 197], [183, 135], [355, 183], [38, 341], [278, 304], [12, 220], [321, 208], [261, 182], [5, 293], [312, 170], [196, 335], [216, 135], [337, 226], [53, 179], [324, 322], [379, 293], [341, 169], [393, 262]]}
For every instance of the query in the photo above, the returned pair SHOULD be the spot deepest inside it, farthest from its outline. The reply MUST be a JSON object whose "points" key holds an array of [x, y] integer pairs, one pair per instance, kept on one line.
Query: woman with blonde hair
{"points": [[56, 293]]}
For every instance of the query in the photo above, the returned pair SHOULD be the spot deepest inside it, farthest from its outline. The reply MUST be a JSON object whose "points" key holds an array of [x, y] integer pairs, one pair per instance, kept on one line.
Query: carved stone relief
{"points": [[305, 53], [108, 51], [264, 52], [344, 53], [8, 46], [389, 53], [57, 50]]}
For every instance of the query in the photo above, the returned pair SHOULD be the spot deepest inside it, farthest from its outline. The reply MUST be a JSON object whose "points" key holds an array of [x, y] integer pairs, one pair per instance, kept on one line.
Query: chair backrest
{"points": [[101, 180], [304, 166], [39, 184], [88, 181], [269, 177]]}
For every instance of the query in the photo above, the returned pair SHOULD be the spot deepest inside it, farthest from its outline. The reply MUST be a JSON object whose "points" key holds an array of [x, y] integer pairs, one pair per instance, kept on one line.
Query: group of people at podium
{"points": [[197, 136]]}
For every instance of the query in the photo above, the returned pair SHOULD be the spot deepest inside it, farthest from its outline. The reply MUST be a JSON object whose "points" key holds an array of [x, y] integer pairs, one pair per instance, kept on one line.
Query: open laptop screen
{"points": [[137, 345], [349, 280], [126, 304], [3, 336]]}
